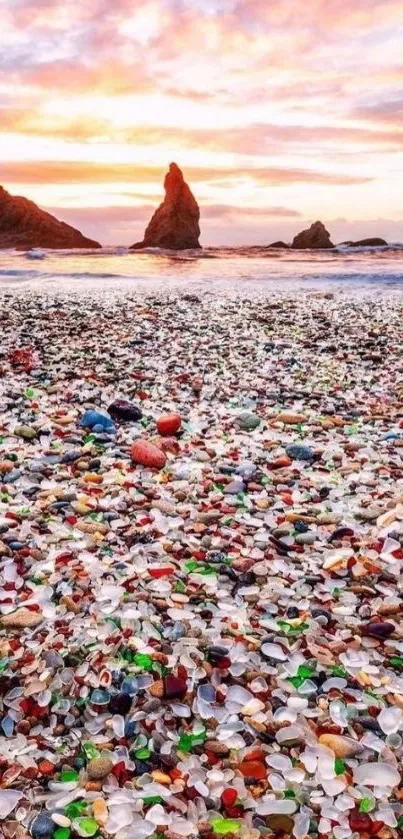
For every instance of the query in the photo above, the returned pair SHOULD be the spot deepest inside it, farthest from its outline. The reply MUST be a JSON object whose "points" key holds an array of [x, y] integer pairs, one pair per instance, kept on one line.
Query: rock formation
{"points": [[279, 246], [375, 242], [23, 226], [315, 237], [175, 225]]}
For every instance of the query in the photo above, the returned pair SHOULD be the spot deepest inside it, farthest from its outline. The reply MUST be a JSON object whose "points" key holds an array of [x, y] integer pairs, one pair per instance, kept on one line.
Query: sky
{"points": [[279, 112]]}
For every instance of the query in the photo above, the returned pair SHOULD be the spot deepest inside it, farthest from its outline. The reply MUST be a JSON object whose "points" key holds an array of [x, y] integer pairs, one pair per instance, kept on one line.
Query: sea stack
{"points": [[374, 242], [316, 237], [23, 225], [175, 225]]}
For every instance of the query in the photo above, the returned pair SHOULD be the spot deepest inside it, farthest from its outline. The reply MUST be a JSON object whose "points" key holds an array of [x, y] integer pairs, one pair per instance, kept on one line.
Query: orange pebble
{"points": [[46, 767], [253, 769], [169, 424], [147, 454]]}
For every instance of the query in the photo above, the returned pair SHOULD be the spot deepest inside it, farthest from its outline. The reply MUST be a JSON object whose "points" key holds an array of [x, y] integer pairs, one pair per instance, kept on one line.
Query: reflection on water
{"points": [[215, 269]]}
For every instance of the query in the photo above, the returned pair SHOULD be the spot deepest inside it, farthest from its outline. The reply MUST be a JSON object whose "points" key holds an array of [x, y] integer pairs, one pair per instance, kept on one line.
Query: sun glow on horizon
{"points": [[265, 106]]}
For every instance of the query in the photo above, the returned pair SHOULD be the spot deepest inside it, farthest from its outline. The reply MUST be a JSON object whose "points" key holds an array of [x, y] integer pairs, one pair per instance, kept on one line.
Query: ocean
{"points": [[212, 270]]}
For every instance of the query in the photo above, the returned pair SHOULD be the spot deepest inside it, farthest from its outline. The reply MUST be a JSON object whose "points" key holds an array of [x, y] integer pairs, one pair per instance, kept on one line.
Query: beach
{"points": [[214, 646]]}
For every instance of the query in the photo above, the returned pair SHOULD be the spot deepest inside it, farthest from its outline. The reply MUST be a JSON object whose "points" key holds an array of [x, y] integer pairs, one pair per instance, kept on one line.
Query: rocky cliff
{"points": [[23, 225]]}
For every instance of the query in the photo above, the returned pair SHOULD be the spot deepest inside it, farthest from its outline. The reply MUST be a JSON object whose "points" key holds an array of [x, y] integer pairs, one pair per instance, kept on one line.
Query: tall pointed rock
{"points": [[175, 225], [23, 225]]}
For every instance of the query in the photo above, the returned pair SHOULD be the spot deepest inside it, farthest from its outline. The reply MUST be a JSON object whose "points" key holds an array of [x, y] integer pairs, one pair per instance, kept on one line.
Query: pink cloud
{"points": [[40, 172], [304, 89]]}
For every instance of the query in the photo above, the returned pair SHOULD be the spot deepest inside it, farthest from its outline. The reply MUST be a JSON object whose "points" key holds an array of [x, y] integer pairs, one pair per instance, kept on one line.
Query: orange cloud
{"points": [[247, 94], [40, 172]]}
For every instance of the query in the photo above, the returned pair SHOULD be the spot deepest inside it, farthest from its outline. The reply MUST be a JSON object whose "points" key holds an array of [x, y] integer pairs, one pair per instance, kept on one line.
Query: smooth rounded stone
{"points": [[246, 470], [130, 685], [169, 424], [16, 546], [297, 451], [147, 454], [12, 476], [290, 418], [42, 827], [209, 516], [234, 487], [390, 720], [99, 767], [274, 651], [85, 826], [125, 411], [272, 806], [21, 619], [94, 419], [305, 538], [281, 532], [280, 823], [369, 513], [25, 431], [343, 747], [376, 774], [247, 421], [99, 696], [376, 629], [321, 613], [289, 736], [70, 457]]}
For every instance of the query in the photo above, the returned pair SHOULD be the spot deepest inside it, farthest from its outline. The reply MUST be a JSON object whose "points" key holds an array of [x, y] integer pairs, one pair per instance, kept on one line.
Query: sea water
{"points": [[214, 270]]}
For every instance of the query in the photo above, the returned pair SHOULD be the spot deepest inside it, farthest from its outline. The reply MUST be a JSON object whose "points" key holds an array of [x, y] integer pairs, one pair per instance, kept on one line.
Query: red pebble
{"points": [[156, 573], [253, 769], [360, 822], [170, 444], [169, 424], [174, 687], [147, 454], [228, 797]]}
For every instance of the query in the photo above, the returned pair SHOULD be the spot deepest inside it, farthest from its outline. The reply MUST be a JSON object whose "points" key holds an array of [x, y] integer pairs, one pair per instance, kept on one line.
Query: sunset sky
{"points": [[278, 111]]}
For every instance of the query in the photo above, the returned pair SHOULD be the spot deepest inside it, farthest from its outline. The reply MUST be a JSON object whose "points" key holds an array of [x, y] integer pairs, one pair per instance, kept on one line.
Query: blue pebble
{"points": [[141, 767], [131, 728], [7, 725], [12, 476], [130, 685], [297, 451], [42, 827], [70, 457], [92, 419]]}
